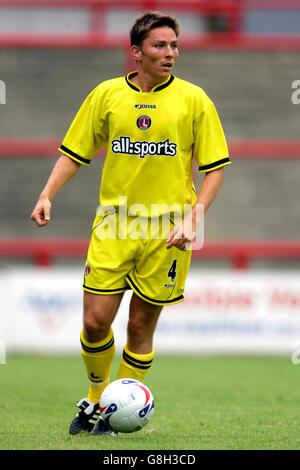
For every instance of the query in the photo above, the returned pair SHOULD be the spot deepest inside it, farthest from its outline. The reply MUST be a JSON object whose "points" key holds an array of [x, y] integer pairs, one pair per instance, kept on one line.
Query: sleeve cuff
{"points": [[74, 156], [214, 165]]}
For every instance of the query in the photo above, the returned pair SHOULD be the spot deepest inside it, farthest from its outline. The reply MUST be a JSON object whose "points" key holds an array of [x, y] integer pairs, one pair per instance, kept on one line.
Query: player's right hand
{"points": [[41, 212]]}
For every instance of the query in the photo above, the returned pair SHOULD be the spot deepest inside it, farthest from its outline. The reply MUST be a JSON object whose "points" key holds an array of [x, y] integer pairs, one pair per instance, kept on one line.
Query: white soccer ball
{"points": [[126, 405]]}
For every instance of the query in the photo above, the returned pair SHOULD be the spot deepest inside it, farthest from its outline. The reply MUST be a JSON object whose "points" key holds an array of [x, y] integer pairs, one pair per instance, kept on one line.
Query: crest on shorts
{"points": [[87, 270], [143, 122]]}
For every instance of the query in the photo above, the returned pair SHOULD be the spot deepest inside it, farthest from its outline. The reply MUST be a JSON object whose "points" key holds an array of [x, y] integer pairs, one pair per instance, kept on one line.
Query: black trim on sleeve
{"points": [[73, 154], [214, 164]]}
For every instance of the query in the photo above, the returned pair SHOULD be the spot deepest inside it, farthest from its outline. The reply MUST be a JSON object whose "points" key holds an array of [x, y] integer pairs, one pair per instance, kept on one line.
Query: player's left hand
{"points": [[182, 235]]}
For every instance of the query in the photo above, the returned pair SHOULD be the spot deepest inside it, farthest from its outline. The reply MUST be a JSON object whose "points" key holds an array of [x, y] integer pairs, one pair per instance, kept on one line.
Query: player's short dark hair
{"points": [[150, 20]]}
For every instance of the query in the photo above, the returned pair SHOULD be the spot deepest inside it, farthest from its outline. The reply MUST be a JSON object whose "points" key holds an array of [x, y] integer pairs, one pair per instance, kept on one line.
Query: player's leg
{"points": [[98, 351], [138, 353], [108, 261], [157, 279], [97, 340], [104, 285]]}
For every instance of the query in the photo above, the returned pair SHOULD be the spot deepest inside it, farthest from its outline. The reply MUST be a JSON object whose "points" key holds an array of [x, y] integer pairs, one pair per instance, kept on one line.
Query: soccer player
{"points": [[151, 124]]}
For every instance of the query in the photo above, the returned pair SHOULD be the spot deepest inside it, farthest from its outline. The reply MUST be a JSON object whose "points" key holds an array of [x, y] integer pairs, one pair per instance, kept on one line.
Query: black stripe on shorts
{"points": [[145, 297], [110, 291]]}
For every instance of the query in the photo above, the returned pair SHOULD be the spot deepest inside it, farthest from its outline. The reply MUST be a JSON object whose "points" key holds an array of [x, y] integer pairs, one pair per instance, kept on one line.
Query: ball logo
{"points": [[143, 122], [128, 381], [111, 409]]}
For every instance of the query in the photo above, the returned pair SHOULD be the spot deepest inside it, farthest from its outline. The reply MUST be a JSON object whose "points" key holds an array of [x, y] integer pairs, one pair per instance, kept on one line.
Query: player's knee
{"points": [[96, 327], [137, 330]]}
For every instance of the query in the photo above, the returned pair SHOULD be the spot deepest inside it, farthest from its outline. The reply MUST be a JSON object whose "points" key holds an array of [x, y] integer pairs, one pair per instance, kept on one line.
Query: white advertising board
{"points": [[223, 312]]}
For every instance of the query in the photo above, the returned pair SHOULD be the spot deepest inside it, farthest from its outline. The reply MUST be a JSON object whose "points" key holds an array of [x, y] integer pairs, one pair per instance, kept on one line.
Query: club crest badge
{"points": [[143, 122], [87, 270]]}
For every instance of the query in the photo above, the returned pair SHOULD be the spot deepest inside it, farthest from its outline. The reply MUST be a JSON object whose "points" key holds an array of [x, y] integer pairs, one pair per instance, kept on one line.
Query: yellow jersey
{"points": [[149, 138]]}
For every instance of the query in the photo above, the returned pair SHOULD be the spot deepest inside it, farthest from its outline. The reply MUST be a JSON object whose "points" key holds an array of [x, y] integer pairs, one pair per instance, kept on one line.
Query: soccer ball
{"points": [[126, 405]]}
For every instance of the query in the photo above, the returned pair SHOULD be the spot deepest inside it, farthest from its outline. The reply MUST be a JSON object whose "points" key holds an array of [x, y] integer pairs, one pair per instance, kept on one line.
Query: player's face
{"points": [[158, 53]]}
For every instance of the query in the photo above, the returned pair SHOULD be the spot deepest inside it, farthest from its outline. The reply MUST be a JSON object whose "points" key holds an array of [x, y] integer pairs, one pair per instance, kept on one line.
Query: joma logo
{"points": [[147, 106]]}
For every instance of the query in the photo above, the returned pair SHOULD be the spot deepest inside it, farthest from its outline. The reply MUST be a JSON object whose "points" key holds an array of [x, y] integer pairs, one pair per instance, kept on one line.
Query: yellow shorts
{"points": [[132, 259]]}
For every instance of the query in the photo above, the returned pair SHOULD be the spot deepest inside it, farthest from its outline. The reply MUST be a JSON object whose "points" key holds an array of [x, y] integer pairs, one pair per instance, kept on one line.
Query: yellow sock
{"points": [[97, 358], [134, 366]]}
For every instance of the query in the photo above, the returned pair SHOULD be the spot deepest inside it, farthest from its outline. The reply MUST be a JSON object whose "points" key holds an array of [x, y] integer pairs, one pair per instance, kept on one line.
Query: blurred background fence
{"points": [[245, 55]]}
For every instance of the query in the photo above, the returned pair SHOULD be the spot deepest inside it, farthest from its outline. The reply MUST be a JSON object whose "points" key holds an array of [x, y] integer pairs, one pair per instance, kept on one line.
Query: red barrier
{"points": [[223, 41], [272, 5], [43, 251], [44, 148], [97, 37], [187, 6], [207, 6], [240, 252]]}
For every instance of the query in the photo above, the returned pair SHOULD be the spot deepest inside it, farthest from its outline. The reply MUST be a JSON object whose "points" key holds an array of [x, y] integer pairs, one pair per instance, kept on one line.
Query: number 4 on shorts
{"points": [[172, 271]]}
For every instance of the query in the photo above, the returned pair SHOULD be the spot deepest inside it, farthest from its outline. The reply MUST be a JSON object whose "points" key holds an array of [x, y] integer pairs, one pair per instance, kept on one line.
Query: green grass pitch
{"points": [[231, 403]]}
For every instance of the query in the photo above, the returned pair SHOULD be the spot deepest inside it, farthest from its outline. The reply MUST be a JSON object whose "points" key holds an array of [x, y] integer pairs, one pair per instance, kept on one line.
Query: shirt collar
{"points": [[158, 87]]}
